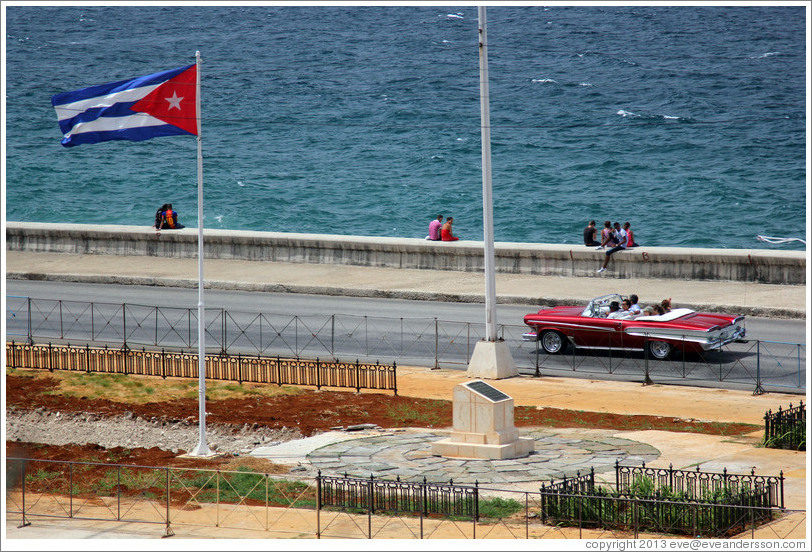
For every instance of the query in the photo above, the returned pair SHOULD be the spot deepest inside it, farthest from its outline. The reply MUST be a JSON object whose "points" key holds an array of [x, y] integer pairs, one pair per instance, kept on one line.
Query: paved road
{"points": [[289, 304], [372, 329]]}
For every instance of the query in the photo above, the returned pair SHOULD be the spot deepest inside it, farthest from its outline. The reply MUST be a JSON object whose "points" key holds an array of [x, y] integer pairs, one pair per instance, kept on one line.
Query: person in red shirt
{"points": [[447, 234], [630, 234]]}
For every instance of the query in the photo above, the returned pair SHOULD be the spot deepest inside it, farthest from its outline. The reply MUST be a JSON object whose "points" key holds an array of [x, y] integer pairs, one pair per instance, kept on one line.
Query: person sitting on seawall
{"points": [[608, 236], [589, 234], [169, 218], [630, 242], [159, 215], [447, 234], [434, 228], [619, 247]]}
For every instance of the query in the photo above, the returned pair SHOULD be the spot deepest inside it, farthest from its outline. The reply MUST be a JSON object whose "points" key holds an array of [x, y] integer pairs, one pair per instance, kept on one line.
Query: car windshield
{"points": [[599, 307]]}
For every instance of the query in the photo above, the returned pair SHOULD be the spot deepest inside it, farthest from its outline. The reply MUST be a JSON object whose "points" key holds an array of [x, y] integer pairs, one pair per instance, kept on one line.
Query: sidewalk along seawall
{"points": [[740, 265]]}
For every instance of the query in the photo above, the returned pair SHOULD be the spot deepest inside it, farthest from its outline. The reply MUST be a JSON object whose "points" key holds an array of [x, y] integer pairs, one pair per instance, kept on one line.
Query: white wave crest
{"points": [[544, 80], [765, 55], [624, 113]]}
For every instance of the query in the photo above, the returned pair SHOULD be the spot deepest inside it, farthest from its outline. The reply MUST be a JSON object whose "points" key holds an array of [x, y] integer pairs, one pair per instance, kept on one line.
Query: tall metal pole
{"points": [[202, 448], [487, 196]]}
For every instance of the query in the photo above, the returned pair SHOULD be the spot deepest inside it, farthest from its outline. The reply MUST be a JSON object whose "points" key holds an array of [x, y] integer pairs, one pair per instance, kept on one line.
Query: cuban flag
{"points": [[161, 104]]}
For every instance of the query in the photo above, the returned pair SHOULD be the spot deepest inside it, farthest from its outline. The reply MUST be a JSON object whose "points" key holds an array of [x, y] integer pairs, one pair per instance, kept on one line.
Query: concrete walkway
{"points": [[345, 280]]}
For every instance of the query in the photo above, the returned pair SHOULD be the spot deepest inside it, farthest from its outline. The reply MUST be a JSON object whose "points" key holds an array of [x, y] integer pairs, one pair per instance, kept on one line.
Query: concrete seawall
{"points": [[750, 265]]}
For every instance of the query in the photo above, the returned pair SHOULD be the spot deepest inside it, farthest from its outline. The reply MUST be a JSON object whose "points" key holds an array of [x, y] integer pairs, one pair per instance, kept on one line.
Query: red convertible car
{"points": [[589, 328]]}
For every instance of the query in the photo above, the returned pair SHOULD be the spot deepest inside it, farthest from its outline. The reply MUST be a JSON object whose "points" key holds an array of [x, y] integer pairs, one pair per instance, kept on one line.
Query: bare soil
{"points": [[307, 412]]}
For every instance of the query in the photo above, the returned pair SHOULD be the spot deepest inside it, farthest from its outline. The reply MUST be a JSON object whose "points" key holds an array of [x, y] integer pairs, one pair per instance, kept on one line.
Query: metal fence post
{"points": [[118, 493], [318, 505], [333, 336], [124, 322], [799, 366], [223, 347], [30, 339], [24, 523], [168, 532], [476, 505], [537, 374], [70, 489], [370, 506], [436, 344], [61, 326], [759, 390]]}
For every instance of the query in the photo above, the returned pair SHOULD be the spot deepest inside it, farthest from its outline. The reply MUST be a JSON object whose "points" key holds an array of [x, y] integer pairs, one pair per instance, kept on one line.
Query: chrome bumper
{"points": [[737, 334]]}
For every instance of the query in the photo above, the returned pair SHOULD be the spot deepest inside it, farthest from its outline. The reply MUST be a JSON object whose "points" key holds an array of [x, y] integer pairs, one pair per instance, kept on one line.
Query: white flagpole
{"points": [[202, 448], [487, 195]]}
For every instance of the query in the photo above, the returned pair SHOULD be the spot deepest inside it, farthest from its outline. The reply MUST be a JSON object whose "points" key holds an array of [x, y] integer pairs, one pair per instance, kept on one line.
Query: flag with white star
{"points": [[161, 104]]}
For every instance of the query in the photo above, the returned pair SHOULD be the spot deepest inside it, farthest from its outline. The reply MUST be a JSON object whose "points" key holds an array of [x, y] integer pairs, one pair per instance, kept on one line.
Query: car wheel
{"points": [[659, 349], [552, 342]]}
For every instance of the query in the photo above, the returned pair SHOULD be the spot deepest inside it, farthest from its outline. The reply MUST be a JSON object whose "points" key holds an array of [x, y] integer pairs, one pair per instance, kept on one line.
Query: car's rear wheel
{"points": [[553, 342], [659, 349]]}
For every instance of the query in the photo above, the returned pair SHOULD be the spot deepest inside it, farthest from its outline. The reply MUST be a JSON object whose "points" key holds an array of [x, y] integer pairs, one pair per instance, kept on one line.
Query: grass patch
{"points": [[145, 389], [429, 414]]}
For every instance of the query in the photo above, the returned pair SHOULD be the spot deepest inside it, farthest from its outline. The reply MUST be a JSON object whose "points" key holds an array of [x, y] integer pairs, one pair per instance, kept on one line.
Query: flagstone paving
{"points": [[558, 453]]}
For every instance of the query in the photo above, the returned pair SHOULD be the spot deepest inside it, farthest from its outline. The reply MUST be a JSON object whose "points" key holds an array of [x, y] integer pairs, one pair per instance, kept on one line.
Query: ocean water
{"points": [[686, 121]]}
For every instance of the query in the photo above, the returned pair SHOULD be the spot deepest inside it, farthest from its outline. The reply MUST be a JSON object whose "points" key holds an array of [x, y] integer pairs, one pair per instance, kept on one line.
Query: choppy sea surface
{"points": [[687, 121]]}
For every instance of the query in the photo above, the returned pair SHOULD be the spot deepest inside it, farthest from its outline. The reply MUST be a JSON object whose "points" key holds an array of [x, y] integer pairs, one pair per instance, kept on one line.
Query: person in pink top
{"points": [[434, 228]]}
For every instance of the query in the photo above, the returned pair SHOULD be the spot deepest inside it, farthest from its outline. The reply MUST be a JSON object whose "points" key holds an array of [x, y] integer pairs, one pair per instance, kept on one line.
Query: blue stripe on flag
{"points": [[113, 87], [133, 134], [121, 109]]}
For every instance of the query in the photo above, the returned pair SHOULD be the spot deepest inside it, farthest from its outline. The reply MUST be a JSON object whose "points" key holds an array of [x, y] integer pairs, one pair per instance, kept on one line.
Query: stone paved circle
{"points": [[407, 455]]}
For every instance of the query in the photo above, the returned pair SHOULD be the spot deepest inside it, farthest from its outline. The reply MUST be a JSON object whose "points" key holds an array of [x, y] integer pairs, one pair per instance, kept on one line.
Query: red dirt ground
{"points": [[310, 411]]}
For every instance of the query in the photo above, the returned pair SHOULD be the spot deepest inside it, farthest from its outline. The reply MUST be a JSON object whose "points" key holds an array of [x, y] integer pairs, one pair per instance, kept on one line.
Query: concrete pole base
{"points": [[492, 360]]}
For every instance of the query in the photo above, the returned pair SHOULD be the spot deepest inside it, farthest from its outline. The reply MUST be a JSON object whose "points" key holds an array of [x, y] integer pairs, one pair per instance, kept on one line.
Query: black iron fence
{"points": [[431, 342], [343, 507], [697, 485], [398, 497], [255, 369], [786, 429], [665, 501]]}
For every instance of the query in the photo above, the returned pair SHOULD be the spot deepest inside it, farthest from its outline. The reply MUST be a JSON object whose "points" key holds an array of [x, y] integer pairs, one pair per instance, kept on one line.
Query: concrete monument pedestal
{"points": [[483, 426], [492, 360]]}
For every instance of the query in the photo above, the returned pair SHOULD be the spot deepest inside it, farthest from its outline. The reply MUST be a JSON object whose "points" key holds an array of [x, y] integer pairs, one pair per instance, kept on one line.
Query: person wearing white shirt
{"points": [[622, 238], [634, 308]]}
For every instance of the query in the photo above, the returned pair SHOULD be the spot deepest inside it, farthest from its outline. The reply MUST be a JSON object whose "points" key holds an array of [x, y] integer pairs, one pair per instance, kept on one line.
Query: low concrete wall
{"points": [[748, 265]]}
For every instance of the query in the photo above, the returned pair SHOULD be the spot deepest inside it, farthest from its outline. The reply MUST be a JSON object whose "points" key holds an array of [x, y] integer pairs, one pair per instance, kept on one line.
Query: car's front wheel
{"points": [[553, 342], [659, 349]]}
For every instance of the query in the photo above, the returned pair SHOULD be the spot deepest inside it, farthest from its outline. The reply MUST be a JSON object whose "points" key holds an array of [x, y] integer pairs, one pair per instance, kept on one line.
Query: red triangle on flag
{"points": [[173, 102]]}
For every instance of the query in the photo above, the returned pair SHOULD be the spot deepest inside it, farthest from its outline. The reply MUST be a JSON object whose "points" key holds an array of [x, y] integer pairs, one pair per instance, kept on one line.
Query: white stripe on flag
{"points": [[139, 120], [67, 111]]}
